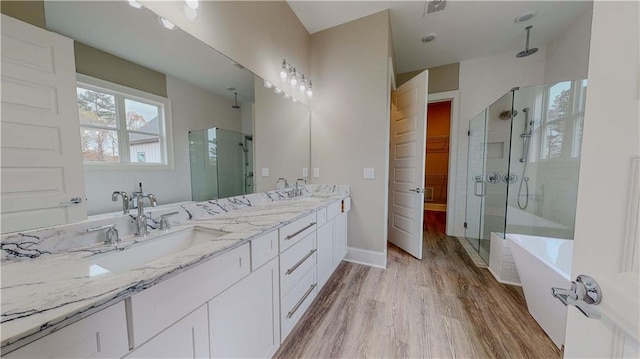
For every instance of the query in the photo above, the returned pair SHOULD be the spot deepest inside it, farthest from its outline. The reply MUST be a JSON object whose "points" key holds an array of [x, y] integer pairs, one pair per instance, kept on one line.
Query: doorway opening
{"points": [[437, 165]]}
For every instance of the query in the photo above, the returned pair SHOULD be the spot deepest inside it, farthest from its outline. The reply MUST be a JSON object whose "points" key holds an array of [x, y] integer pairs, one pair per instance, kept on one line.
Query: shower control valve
{"points": [[493, 177]]}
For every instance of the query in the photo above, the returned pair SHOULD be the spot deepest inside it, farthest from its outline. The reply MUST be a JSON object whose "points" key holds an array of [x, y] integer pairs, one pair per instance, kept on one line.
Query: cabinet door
{"points": [[340, 238], [325, 252], [101, 335], [244, 320], [187, 338]]}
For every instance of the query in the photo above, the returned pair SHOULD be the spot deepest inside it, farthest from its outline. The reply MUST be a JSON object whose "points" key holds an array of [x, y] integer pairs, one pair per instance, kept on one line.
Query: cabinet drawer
{"points": [[100, 335], [188, 338], [155, 308], [294, 232], [321, 216], [296, 262], [333, 210], [263, 249], [297, 302]]}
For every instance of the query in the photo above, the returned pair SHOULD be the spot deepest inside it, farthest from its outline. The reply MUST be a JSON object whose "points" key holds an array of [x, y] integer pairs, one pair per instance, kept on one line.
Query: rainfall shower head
{"points": [[507, 114], [527, 51], [236, 106]]}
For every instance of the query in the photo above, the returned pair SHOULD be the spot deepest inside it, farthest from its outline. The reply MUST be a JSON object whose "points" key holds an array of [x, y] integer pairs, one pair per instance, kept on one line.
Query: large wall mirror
{"points": [[195, 124]]}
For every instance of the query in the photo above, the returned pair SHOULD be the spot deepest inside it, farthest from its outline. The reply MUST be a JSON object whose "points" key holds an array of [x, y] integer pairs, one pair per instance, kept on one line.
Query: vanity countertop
{"points": [[46, 293]]}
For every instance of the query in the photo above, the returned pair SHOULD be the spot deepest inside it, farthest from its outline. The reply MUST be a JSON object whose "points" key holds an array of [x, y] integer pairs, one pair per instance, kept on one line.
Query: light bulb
{"points": [[135, 4], [287, 96], [193, 4], [294, 100], [302, 86], [293, 78], [283, 71], [277, 90], [267, 84], [309, 91]]}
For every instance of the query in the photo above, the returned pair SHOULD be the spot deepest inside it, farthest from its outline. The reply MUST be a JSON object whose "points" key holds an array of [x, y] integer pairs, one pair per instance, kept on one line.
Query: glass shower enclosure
{"points": [[221, 163], [523, 164]]}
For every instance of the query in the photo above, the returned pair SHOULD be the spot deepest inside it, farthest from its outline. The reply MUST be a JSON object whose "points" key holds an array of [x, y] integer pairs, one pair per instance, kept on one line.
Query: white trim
{"points": [[366, 257], [144, 97], [503, 281], [454, 97]]}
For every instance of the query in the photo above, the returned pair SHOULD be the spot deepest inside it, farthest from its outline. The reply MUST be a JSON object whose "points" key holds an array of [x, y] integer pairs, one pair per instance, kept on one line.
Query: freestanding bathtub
{"points": [[544, 263]]}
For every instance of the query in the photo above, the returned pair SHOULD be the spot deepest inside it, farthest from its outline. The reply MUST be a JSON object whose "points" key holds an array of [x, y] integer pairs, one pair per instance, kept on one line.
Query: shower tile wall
{"points": [[501, 263]]}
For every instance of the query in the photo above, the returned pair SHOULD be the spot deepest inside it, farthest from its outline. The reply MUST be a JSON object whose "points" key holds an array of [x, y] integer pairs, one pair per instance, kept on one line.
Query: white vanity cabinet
{"points": [[187, 338], [158, 307], [245, 320], [332, 239], [100, 335]]}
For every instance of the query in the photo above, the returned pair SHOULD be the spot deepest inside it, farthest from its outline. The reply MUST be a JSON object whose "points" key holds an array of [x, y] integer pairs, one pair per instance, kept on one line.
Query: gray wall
{"points": [[441, 78]]}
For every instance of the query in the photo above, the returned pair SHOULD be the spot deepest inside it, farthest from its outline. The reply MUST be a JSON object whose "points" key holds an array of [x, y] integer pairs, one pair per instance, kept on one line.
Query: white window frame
{"points": [[570, 150], [166, 141]]}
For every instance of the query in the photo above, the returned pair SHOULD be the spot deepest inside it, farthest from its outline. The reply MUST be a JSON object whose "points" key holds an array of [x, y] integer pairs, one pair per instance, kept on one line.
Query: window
{"points": [[563, 120], [121, 126]]}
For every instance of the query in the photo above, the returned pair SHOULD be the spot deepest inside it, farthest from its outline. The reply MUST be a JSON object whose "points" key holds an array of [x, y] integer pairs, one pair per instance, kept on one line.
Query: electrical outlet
{"points": [[265, 172], [316, 173], [305, 172]]}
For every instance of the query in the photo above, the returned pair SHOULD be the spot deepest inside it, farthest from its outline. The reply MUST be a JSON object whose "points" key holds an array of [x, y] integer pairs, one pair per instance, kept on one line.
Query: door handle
{"points": [[584, 293], [72, 201], [478, 180], [416, 190]]}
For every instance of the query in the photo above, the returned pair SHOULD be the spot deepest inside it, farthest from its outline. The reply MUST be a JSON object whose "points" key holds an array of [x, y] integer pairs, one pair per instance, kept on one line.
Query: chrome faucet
{"points": [[112, 233], [125, 200], [141, 219]]}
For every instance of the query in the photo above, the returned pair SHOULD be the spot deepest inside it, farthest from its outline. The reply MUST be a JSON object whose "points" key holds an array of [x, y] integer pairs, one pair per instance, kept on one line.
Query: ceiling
{"points": [[465, 29], [111, 25]]}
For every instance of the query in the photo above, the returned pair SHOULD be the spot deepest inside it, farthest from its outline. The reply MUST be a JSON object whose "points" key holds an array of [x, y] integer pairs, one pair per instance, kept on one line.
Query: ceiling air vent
{"points": [[434, 6]]}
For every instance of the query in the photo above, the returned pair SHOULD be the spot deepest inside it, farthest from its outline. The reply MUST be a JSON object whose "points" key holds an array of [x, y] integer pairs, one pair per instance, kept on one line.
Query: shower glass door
{"points": [[475, 180]]}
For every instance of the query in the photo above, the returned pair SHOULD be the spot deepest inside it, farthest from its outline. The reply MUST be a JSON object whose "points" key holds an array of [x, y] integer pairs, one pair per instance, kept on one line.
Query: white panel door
{"points": [[41, 158], [607, 235], [407, 156]]}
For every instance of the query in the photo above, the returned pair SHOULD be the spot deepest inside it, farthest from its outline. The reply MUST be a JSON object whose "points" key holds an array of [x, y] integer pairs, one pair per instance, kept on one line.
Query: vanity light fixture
{"points": [[293, 78], [268, 84], [287, 96], [302, 85], [134, 3], [283, 71], [166, 23], [277, 90]]}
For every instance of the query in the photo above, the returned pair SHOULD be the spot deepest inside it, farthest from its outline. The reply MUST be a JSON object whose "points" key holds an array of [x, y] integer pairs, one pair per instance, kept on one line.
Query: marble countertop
{"points": [[48, 292]]}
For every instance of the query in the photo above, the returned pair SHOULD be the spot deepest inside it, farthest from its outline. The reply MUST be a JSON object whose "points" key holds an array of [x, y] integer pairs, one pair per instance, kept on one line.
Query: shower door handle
{"points": [[478, 180]]}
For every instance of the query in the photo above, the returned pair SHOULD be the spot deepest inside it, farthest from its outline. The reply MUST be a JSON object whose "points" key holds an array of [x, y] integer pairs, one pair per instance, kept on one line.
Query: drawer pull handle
{"points": [[290, 270], [293, 311], [300, 231]]}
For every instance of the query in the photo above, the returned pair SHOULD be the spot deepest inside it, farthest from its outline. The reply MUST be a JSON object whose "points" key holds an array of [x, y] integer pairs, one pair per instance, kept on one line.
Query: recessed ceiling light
{"points": [[166, 23], [524, 17], [135, 4], [429, 37]]}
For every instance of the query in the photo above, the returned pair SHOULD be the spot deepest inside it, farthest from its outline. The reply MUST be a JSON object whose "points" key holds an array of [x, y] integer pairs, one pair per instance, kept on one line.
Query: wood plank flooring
{"points": [[440, 307]]}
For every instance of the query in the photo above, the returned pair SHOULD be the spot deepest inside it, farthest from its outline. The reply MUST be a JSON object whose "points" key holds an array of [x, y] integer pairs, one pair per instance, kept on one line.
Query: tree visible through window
{"points": [[118, 128], [562, 126]]}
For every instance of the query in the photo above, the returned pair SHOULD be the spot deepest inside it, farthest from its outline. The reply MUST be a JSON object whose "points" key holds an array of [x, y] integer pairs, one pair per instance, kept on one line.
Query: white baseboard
{"points": [[366, 257], [502, 281]]}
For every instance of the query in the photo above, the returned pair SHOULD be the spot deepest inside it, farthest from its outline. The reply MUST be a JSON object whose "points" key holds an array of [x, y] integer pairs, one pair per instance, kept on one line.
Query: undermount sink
{"points": [[154, 249]]}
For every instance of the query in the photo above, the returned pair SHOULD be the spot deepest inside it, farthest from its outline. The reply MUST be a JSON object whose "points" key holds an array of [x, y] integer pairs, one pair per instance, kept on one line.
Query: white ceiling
{"points": [[466, 29], [136, 35]]}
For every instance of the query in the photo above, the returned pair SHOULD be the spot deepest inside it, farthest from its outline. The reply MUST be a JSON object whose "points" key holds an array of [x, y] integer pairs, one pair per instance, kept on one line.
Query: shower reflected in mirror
{"points": [[221, 164]]}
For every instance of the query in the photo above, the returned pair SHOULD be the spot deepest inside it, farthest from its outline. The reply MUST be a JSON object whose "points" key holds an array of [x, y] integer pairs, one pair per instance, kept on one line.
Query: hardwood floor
{"points": [[440, 307]]}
